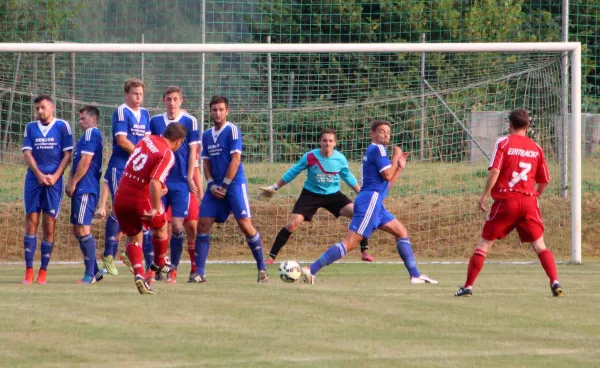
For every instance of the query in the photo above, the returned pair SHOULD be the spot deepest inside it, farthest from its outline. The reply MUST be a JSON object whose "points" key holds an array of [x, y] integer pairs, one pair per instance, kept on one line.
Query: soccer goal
{"points": [[448, 103]]}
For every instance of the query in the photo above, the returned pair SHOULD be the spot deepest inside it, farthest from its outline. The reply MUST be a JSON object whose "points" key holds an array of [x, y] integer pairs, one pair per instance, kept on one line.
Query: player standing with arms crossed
{"points": [[129, 126], [226, 189], [517, 164], [47, 146], [138, 199], [324, 168], [182, 196], [378, 174], [83, 188]]}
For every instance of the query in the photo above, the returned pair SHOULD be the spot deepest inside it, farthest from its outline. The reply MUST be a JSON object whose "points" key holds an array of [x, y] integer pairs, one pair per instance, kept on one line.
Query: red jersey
{"points": [[521, 163], [151, 159]]}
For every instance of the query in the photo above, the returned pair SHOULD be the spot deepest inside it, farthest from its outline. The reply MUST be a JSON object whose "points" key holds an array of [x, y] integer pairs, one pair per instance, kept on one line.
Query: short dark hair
{"points": [[41, 98], [132, 83], [519, 118], [172, 89], [218, 99], [91, 111], [327, 131], [377, 123], [174, 131]]}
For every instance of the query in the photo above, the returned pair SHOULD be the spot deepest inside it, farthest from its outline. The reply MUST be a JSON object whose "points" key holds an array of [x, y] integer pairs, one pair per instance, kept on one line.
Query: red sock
{"points": [[547, 260], [160, 250], [475, 265], [192, 253], [136, 255]]}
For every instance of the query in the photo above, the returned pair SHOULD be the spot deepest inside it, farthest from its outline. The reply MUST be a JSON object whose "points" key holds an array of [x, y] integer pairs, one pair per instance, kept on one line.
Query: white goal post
{"points": [[550, 47]]}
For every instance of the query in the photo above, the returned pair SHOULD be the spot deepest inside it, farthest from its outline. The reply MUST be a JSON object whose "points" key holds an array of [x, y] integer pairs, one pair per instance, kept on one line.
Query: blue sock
{"points": [[202, 249], [148, 249], [46, 253], [110, 236], [335, 252], [406, 253], [176, 247], [255, 244], [29, 245], [87, 244]]}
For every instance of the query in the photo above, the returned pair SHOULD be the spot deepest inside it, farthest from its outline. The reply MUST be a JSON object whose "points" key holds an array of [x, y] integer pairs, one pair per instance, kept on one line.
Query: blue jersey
{"points": [[322, 173], [89, 144], [132, 124], [48, 143], [217, 147], [374, 162], [159, 123]]}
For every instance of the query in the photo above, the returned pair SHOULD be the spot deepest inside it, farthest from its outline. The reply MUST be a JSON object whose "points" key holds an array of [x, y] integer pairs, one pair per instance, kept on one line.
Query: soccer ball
{"points": [[289, 271]]}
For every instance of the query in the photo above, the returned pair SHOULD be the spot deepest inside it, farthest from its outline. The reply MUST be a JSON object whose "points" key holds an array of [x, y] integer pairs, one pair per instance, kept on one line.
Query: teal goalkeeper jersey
{"points": [[322, 173]]}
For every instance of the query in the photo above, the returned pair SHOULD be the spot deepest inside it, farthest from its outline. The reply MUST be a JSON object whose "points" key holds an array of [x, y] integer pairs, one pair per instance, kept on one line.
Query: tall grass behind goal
{"points": [[447, 103]]}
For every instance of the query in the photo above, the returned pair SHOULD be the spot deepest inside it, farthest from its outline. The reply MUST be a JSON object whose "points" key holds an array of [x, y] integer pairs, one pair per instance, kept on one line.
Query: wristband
{"points": [[275, 186], [226, 183]]}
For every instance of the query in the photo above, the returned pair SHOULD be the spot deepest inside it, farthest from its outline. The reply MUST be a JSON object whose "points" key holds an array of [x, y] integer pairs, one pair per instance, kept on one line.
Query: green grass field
{"points": [[357, 315]]}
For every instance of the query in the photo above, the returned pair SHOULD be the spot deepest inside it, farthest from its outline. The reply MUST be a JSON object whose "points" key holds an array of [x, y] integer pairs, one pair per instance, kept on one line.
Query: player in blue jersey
{"points": [[324, 168], [378, 174], [47, 147], [227, 190], [180, 182], [130, 123], [83, 188]]}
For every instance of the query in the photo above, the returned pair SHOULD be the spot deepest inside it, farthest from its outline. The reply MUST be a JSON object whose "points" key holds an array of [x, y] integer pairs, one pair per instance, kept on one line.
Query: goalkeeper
{"points": [[324, 168]]}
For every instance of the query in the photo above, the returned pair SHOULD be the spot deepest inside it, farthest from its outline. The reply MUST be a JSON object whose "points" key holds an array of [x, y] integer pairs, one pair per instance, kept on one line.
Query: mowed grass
{"points": [[357, 315]]}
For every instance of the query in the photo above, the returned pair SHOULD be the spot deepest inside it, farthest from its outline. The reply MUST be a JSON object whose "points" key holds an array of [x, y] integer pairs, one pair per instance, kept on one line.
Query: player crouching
{"points": [[138, 199]]}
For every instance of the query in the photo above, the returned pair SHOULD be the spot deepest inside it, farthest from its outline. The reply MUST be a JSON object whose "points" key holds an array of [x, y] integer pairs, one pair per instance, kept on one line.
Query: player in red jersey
{"points": [[138, 203], [516, 166]]}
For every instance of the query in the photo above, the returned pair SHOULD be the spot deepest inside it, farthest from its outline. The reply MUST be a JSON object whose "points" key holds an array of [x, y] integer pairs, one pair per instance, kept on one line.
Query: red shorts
{"points": [[521, 212], [193, 210], [129, 208]]}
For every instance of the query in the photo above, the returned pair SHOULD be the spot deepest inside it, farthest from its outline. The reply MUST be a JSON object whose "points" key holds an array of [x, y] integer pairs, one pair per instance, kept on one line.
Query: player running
{"points": [[226, 189], [378, 174], [129, 126], [47, 146], [83, 188], [182, 196], [138, 199], [517, 164], [324, 168]]}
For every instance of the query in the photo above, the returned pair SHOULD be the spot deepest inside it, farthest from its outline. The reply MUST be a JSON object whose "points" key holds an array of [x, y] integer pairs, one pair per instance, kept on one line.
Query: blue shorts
{"points": [[178, 199], [369, 214], [83, 207], [236, 201], [40, 198], [112, 176]]}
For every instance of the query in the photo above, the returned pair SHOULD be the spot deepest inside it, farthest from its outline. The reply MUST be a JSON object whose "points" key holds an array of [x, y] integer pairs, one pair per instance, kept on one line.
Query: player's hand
{"points": [[396, 151], [164, 190], [267, 192], [482, 201], [41, 179], [148, 215], [70, 188], [218, 191], [402, 157], [100, 213], [192, 186], [50, 179]]}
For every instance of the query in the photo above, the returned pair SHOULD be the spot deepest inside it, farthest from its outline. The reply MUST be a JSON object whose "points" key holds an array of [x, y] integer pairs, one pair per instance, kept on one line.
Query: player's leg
{"points": [[50, 205], [179, 198], [237, 198], [531, 229], [135, 255], [31, 196], [294, 221], [82, 212], [348, 211], [210, 209], [111, 231], [334, 253], [191, 232], [499, 223]]}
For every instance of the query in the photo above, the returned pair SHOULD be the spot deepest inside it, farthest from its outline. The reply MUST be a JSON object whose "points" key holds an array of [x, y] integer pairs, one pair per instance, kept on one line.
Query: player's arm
{"points": [[82, 168], [124, 143], [120, 130], [198, 182], [289, 175], [492, 178], [236, 160], [402, 158], [390, 170], [349, 178], [542, 176], [66, 160], [32, 165], [103, 198], [192, 165]]}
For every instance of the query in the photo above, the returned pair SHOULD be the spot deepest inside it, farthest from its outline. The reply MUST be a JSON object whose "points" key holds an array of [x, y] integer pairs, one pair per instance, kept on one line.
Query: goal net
{"points": [[447, 109]]}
